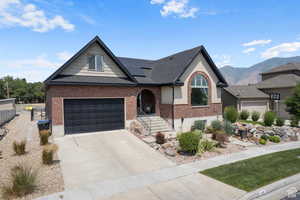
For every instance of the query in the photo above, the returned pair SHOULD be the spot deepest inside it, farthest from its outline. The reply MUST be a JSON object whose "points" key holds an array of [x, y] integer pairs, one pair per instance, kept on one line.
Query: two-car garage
{"points": [[91, 115]]}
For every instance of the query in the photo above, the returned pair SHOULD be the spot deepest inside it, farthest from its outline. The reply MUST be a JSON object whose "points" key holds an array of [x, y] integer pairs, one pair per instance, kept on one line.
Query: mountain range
{"points": [[246, 75]]}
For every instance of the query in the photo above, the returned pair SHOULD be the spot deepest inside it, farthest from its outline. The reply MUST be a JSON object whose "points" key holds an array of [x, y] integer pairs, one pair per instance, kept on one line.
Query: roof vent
{"points": [[171, 58]]}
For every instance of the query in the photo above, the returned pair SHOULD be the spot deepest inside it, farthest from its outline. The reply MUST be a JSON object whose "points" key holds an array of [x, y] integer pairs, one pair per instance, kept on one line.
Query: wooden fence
{"points": [[7, 110]]}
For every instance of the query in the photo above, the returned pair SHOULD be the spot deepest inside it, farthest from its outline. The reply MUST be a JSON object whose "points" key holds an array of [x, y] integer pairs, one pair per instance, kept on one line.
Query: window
{"points": [[96, 63], [199, 96]]}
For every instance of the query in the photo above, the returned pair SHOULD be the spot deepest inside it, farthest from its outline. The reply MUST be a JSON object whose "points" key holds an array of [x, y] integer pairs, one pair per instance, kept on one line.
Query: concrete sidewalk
{"points": [[107, 189]]}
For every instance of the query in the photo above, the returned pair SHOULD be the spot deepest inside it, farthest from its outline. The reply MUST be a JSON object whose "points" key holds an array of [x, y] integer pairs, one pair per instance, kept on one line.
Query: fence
{"points": [[7, 110]]}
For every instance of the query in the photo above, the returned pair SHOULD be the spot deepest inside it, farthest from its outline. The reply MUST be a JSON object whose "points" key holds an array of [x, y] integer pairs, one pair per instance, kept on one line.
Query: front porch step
{"points": [[154, 124]]}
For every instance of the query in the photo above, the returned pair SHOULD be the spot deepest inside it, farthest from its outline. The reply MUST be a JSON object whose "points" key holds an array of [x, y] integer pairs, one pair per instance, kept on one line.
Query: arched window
{"points": [[199, 96]]}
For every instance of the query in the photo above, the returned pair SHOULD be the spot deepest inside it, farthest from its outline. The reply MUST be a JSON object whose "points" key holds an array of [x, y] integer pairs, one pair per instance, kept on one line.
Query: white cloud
{"points": [[179, 8], [34, 69], [222, 60], [257, 42], [41, 61], [157, 1], [87, 19], [64, 55], [16, 13], [281, 48], [249, 50]]}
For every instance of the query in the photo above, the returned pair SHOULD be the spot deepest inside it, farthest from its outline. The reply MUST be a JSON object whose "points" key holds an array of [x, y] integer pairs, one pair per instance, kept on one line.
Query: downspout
{"points": [[173, 100]]}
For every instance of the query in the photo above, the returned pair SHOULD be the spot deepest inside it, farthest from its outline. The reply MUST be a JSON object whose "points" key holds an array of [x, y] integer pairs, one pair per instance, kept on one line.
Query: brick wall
{"points": [[56, 94]]}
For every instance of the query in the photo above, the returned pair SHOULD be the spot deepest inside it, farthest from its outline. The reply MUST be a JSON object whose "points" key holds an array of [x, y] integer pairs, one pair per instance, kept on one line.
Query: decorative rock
{"points": [[149, 139], [253, 130], [170, 152], [167, 145], [270, 132]]}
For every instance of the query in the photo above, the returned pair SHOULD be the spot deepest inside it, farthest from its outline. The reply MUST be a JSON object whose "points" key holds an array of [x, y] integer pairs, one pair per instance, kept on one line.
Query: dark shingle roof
{"points": [[86, 80], [245, 91], [282, 68], [280, 81], [165, 71]]}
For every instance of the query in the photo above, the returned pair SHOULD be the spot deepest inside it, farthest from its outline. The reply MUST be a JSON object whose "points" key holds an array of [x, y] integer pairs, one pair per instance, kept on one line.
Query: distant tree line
{"points": [[23, 91]]}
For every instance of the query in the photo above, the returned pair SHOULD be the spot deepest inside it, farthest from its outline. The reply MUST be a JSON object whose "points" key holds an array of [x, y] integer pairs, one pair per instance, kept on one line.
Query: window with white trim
{"points": [[199, 94], [96, 63]]}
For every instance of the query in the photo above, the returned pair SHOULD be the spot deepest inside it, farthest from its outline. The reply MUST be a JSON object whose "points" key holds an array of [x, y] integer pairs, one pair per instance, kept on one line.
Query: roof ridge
{"points": [[135, 58], [183, 51]]}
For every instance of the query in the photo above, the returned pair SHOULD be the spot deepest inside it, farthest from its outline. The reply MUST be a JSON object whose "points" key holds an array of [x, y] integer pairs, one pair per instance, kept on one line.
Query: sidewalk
{"points": [[106, 189]]}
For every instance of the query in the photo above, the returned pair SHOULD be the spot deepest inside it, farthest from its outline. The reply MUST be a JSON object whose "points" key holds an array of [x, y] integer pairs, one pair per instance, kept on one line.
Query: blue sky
{"points": [[37, 36]]}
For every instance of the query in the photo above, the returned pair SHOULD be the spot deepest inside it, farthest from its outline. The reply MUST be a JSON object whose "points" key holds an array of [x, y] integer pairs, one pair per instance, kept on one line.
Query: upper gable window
{"points": [[199, 95], [96, 63]]}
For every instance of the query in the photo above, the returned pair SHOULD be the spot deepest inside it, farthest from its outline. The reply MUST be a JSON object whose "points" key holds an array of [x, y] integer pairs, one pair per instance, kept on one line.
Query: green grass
{"points": [[256, 172], [251, 122]]}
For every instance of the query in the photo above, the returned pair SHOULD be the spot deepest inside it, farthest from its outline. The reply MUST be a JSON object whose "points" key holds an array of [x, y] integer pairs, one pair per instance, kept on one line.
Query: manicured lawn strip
{"points": [[256, 172], [251, 122]]}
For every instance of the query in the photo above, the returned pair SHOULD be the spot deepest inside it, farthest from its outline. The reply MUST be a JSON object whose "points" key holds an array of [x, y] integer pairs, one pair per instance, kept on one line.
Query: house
{"points": [[97, 91], [269, 94], [245, 97]]}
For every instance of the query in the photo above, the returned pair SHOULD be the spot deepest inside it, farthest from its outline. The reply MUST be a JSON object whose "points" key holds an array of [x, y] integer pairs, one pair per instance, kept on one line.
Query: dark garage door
{"points": [[90, 115]]}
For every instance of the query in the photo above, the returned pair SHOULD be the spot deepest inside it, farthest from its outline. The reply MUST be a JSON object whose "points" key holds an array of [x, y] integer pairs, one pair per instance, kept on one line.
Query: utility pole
{"points": [[7, 89]]}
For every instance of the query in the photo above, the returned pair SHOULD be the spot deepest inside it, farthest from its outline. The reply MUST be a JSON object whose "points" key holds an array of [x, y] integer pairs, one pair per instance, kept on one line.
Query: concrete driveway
{"points": [[88, 158]]}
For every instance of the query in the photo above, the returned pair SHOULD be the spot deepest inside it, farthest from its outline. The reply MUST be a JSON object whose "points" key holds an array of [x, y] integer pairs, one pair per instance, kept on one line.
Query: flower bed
{"points": [[172, 150]]}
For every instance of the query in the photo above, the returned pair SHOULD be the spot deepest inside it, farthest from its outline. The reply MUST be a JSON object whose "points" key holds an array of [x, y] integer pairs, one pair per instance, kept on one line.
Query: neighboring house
{"points": [[244, 97], [97, 91], [276, 85]]}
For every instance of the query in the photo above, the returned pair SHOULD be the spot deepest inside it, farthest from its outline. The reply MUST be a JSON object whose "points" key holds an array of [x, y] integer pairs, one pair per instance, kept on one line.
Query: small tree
{"points": [[231, 114], [293, 103]]}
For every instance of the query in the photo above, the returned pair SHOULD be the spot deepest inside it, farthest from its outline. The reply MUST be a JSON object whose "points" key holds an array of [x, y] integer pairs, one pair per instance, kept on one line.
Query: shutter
{"points": [[99, 63], [91, 63]]}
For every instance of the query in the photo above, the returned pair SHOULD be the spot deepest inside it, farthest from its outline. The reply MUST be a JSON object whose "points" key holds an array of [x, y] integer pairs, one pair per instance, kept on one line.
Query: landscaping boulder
{"points": [[167, 145], [170, 152]]}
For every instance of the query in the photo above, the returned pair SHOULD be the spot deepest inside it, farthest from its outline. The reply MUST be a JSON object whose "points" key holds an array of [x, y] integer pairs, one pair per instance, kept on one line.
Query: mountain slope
{"points": [[242, 76]]}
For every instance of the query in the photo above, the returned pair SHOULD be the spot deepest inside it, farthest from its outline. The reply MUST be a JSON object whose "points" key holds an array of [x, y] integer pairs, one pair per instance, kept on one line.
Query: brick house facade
{"points": [[126, 79]]}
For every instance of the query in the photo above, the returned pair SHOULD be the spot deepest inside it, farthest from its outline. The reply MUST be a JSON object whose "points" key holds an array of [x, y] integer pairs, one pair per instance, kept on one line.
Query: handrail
{"points": [[144, 123]]}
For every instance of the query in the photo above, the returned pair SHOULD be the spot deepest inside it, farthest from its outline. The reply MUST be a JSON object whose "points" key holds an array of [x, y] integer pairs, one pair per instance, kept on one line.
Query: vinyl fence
{"points": [[7, 110]]}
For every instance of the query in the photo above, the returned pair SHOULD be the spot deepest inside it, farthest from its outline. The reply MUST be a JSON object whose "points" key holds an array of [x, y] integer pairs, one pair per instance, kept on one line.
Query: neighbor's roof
{"points": [[245, 91], [164, 71], [283, 68], [279, 81]]}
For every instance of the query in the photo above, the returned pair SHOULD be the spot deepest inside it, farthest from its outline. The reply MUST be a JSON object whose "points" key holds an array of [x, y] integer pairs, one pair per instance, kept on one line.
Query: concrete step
{"points": [[156, 123]]}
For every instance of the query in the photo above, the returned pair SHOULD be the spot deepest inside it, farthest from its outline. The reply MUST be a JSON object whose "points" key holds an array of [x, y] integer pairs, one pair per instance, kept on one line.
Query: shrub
{"points": [[244, 115], [228, 128], [231, 114], [160, 138], [23, 182], [262, 141], [265, 137], [255, 116], [294, 121], [200, 124], [48, 153], [280, 121], [221, 137], [44, 135], [209, 129], [19, 147], [216, 125], [269, 118], [205, 145], [274, 139], [189, 141]]}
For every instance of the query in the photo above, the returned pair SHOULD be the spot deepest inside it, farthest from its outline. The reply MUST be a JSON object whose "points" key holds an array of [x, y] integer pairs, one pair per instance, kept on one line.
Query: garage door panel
{"points": [[90, 115], [254, 106]]}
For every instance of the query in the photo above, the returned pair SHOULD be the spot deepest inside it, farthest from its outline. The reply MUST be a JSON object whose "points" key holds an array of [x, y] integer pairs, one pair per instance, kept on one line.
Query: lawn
{"points": [[251, 122], [256, 172]]}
